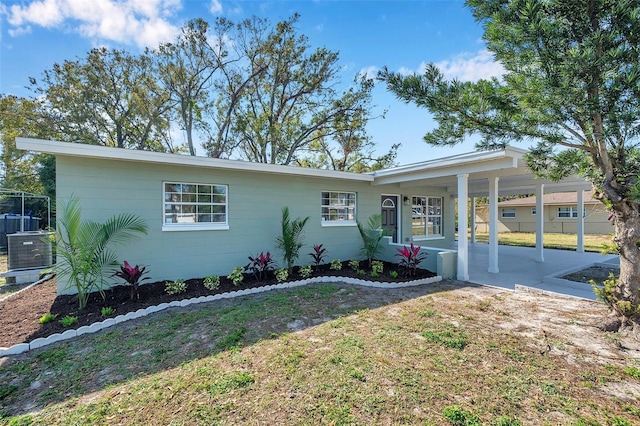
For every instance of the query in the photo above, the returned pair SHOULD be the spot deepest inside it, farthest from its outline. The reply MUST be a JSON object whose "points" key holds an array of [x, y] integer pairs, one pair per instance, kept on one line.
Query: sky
{"points": [[402, 35]]}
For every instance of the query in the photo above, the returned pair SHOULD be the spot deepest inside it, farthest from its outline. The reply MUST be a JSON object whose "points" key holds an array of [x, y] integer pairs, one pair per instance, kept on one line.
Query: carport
{"points": [[484, 174]]}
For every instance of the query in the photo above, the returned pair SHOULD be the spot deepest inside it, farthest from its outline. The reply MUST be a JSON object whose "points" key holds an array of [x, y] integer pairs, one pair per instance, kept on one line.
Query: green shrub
{"points": [[290, 240], [68, 321], [371, 236], [377, 267], [236, 275], [305, 271], [107, 311], [354, 264], [175, 287], [282, 274], [83, 247], [336, 264], [393, 274], [212, 282], [48, 317], [607, 294]]}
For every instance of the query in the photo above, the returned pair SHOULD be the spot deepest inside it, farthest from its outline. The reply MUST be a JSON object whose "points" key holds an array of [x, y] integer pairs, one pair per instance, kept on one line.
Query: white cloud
{"points": [[140, 22], [470, 67], [215, 7], [369, 72]]}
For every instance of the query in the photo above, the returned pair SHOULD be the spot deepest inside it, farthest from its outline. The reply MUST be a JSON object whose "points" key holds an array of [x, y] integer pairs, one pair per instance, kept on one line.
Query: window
{"points": [[338, 208], [533, 211], [569, 212], [508, 212], [426, 216], [194, 206]]}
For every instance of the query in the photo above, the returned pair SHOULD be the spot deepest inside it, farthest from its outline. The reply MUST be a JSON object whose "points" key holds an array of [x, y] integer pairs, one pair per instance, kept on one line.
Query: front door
{"points": [[390, 216]]}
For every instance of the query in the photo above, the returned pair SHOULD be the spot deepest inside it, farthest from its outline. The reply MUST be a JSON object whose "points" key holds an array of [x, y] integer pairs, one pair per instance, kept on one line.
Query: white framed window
{"points": [[426, 216], [533, 211], [194, 206], [508, 212], [569, 212], [338, 208]]}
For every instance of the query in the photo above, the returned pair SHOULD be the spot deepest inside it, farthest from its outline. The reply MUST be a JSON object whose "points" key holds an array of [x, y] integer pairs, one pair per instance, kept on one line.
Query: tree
{"points": [[84, 247], [19, 169], [109, 98], [187, 68], [290, 101], [572, 85], [345, 144]]}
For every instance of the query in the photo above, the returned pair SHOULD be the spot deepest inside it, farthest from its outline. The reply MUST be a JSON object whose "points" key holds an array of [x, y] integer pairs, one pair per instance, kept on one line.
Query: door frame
{"points": [[398, 214]]}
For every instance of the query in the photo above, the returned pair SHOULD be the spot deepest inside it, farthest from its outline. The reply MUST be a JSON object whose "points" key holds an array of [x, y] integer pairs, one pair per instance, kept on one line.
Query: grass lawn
{"points": [[554, 241], [340, 355]]}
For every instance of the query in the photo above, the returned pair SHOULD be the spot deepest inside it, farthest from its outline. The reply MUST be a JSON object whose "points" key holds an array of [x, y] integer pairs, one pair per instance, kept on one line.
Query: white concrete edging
{"points": [[95, 327]]}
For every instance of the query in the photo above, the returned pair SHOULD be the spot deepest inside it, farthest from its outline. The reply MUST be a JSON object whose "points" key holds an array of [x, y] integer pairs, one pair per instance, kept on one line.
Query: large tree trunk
{"points": [[627, 290]]}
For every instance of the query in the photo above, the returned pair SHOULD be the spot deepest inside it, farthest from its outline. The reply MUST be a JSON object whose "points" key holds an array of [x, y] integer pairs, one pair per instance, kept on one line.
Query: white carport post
{"points": [[580, 224], [493, 225], [473, 220], [539, 222], [463, 238]]}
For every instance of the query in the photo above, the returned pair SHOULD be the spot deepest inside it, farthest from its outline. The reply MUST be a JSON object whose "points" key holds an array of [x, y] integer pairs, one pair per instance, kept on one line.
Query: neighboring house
{"points": [[560, 214], [206, 216]]}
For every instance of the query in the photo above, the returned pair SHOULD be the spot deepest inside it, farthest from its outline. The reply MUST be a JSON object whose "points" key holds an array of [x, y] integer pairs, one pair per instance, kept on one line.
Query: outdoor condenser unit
{"points": [[29, 250]]}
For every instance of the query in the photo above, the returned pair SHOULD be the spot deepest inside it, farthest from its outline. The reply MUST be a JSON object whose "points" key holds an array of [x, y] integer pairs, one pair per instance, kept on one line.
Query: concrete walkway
{"points": [[517, 265]]}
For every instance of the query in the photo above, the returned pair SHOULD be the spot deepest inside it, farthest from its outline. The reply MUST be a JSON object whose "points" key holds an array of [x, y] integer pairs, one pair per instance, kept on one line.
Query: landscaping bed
{"points": [[20, 314]]}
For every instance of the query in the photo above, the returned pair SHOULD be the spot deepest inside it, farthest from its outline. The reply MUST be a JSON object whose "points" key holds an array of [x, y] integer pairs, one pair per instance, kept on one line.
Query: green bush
{"points": [[236, 276], [68, 321], [305, 271], [175, 287], [336, 265], [290, 240], [212, 282], [83, 248], [282, 274], [107, 311], [48, 317]]}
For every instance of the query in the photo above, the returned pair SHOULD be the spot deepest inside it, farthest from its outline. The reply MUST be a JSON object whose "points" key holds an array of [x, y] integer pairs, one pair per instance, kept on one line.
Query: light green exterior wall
{"points": [[255, 200]]}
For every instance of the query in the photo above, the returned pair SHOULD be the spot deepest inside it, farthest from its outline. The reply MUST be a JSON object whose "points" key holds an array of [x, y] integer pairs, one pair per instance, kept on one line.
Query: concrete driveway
{"points": [[517, 265]]}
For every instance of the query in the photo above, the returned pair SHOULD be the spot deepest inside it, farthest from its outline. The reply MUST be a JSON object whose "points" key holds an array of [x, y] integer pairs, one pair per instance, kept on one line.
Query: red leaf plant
{"points": [[132, 275]]}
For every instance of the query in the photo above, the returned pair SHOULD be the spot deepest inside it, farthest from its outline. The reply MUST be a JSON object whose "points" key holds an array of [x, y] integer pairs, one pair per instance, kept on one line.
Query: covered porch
{"points": [[491, 174]]}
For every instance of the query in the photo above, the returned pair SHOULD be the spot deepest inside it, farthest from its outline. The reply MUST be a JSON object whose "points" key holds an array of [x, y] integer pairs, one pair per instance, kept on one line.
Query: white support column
{"points": [[493, 225], [463, 238], [580, 222], [539, 222], [473, 220]]}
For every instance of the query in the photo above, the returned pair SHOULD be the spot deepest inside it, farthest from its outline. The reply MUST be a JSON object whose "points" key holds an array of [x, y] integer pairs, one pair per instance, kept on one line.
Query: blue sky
{"points": [[402, 35]]}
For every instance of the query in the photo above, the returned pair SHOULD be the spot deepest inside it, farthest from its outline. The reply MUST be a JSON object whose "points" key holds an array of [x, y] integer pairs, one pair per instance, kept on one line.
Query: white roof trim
{"points": [[95, 151]]}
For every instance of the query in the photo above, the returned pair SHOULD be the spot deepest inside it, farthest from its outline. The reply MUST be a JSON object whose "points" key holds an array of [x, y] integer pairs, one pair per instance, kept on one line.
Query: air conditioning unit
{"points": [[29, 250]]}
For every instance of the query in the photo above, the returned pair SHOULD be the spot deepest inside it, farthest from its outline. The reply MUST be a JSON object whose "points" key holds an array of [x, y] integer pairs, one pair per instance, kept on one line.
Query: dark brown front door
{"points": [[390, 216]]}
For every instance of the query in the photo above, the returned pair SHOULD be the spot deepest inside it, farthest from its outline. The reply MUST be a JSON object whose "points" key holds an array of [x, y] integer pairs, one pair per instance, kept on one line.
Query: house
{"points": [[560, 214], [206, 216]]}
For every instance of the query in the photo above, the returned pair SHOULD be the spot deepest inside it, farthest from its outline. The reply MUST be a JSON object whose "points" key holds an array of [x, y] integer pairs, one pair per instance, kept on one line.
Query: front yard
{"points": [[446, 353]]}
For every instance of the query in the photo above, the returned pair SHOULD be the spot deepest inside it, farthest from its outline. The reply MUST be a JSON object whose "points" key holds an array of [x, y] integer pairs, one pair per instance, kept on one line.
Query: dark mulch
{"points": [[20, 313]]}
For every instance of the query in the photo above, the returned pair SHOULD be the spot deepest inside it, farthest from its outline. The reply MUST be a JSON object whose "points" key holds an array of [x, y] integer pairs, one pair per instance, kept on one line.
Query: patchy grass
{"points": [[337, 354], [592, 243]]}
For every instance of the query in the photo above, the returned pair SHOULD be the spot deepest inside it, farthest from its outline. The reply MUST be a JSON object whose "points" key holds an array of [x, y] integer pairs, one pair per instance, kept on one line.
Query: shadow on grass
{"points": [[170, 338]]}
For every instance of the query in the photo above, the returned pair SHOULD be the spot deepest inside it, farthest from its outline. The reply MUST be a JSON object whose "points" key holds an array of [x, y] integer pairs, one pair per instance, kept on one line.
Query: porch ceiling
{"points": [[506, 164]]}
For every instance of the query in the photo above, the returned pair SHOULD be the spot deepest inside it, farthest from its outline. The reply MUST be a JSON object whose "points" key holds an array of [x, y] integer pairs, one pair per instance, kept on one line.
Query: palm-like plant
{"points": [[83, 248], [290, 241], [371, 236]]}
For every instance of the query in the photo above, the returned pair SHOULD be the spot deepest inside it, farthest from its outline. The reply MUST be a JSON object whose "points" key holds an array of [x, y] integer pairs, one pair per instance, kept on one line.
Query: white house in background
{"points": [[206, 215], [560, 215]]}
